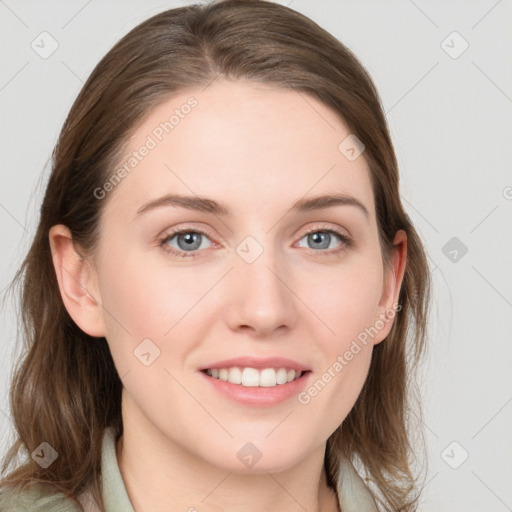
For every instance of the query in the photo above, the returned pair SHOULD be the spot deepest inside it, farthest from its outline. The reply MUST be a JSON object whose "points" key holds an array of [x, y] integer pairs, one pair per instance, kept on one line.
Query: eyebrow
{"points": [[203, 204]]}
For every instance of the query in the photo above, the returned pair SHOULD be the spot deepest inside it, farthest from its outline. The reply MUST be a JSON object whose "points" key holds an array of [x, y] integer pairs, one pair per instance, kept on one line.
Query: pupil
{"points": [[322, 239], [191, 240]]}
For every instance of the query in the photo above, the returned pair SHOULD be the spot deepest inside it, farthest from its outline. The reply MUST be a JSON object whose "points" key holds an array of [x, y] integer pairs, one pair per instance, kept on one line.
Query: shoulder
{"points": [[35, 498]]}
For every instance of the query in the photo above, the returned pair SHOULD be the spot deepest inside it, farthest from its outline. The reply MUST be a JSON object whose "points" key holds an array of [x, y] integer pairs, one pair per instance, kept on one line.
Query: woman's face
{"points": [[267, 270]]}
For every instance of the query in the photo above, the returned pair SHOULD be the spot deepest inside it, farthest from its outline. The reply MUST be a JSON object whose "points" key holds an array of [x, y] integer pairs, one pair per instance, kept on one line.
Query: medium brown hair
{"points": [[65, 388]]}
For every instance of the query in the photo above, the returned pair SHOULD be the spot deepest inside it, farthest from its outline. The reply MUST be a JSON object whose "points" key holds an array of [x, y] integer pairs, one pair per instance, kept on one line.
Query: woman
{"points": [[224, 300]]}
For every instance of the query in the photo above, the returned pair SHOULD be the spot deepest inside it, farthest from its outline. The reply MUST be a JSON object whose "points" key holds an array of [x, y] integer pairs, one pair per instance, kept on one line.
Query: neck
{"points": [[160, 475]]}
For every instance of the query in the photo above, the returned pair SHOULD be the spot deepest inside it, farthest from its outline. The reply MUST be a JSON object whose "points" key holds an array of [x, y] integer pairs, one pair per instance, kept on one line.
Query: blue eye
{"points": [[321, 239], [189, 243]]}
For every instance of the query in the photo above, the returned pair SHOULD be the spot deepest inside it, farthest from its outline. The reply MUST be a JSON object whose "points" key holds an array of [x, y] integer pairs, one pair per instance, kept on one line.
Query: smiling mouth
{"points": [[253, 377]]}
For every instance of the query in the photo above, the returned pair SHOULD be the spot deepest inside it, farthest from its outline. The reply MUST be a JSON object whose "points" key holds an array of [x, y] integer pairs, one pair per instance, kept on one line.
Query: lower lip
{"points": [[257, 396]]}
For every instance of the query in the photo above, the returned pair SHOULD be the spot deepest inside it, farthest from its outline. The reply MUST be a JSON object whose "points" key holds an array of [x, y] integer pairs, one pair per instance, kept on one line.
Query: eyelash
{"points": [[346, 242]]}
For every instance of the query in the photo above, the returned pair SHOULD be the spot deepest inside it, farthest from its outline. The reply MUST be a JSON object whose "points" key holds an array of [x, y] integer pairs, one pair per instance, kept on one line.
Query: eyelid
{"points": [[326, 227], [346, 240], [168, 234]]}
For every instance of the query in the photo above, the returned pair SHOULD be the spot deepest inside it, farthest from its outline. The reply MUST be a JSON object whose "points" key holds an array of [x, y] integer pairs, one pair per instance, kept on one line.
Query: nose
{"points": [[260, 297]]}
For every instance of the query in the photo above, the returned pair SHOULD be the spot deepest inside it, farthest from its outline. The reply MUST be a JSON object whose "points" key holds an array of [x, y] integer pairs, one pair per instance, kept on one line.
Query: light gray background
{"points": [[451, 122]]}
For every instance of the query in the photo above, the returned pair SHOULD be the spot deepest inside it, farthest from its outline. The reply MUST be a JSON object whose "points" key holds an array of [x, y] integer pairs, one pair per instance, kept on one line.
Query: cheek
{"points": [[347, 299], [348, 308], [147, 298], [154, 302], [134, 306]]}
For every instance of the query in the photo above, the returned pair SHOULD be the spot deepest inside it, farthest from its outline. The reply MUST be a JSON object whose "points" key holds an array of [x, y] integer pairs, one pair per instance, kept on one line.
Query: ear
{"points": [[77, 281], [393, 276]]}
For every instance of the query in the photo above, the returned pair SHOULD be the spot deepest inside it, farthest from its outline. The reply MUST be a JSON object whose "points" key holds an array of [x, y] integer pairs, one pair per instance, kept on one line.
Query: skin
{"points": [[257, 149]]}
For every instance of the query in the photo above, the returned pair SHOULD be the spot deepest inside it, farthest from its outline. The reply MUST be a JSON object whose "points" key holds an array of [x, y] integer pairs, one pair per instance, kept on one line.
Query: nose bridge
{"points": [[260, 298]]}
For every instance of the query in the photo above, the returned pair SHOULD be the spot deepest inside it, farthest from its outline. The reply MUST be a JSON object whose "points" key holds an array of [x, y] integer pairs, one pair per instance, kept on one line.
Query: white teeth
{"points": [[268, 378], [282, 376], [252, 377], [235, 376]]}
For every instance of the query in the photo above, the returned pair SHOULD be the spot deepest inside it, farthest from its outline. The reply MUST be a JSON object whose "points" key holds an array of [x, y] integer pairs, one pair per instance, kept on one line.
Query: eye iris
{"points": [[192, 241], [320, 237]]}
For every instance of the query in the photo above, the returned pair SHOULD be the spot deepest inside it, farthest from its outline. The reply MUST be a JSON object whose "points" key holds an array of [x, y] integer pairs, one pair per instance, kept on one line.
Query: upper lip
{"points": [[256, 362]]}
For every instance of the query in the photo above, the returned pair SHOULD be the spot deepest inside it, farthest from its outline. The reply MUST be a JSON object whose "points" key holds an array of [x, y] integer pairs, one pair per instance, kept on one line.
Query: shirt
{"points": [[353, 495]]}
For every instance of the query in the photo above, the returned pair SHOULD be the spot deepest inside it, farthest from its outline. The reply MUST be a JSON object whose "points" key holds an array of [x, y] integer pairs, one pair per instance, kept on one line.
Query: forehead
{"points": [[251, 144]]}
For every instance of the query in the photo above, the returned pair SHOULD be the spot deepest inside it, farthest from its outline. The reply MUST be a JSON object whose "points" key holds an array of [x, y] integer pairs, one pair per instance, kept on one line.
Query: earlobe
{"points": [[77, 282], [393, 278]]}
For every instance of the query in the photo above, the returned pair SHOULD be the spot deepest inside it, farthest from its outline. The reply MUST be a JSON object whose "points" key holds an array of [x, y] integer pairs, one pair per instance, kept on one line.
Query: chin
{"points": [[260, 457]]}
